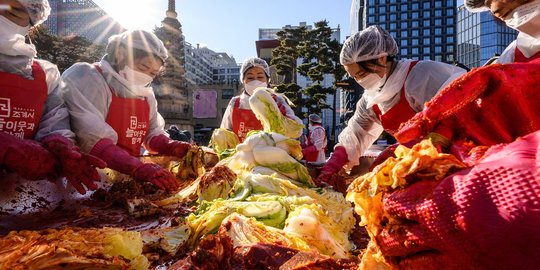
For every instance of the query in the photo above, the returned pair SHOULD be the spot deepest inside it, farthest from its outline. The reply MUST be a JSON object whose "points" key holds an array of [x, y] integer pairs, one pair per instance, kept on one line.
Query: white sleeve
{"points": [[157, 123], [226, 121], [509, 54], [318, 138], [88, 97], [290, 113], [55, 118], [426, 79], [361, 132]]}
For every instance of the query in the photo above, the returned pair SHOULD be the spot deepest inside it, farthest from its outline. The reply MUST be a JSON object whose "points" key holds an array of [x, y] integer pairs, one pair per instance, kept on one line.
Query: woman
{"points": [[31, 109], [522, 15], [315, 147], [238, 116], [114, 111], [394, 92]]}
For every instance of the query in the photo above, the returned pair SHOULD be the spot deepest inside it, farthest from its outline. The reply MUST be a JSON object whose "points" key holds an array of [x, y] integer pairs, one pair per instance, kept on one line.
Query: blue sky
{"points": [[230, 26]]}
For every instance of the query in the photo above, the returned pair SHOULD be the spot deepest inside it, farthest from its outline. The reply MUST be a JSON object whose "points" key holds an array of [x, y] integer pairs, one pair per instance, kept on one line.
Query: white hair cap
{"points": [[315, 118], [141, 40], [39, 10], [370, 43], [254, 62], [476, 5]]}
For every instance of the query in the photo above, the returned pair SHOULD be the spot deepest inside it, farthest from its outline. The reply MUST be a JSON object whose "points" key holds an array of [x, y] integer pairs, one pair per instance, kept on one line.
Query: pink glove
{"points": [[485, 217], [337, 160], [120, 160], [165, 146], [78, 168], [27, 158]]}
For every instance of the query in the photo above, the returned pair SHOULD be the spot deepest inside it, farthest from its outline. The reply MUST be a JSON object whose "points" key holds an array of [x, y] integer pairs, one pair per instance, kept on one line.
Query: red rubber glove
{"points": [[489, 105], [337, 160], [484, 217], [165, 146], [27, 158], [78, 168], [308, 150], [120, 160]]}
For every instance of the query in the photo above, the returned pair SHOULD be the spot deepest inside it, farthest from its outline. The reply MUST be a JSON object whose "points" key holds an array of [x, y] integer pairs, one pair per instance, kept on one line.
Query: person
{"points": [[394, 92], [114, 111], [521, 15], [238, 117], [36, 141], [315, 149], [179, 135]]}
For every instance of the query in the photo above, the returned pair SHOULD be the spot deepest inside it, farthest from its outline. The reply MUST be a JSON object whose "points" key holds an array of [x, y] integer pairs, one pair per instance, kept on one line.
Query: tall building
{"points": [[205, 66], [480, 36], [422, 29], [171, 88], [81, 18]]}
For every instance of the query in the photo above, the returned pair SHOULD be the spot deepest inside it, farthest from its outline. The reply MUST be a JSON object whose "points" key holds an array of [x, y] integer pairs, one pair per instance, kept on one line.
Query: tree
{"points": [[318, 57]]}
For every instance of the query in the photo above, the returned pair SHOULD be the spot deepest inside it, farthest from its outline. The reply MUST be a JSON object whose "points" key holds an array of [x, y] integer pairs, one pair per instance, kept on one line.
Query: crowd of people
{"points": [[104, 114]]}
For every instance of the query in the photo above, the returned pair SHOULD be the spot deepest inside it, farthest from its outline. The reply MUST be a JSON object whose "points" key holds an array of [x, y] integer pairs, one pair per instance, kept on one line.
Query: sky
{"points": [[229, 26]]}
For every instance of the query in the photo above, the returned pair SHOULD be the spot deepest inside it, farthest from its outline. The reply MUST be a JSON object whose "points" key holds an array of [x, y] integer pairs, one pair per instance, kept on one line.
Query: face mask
{"points": [[134, 77], [10, 28], [251, 86], [526, 19], [372, 81]]}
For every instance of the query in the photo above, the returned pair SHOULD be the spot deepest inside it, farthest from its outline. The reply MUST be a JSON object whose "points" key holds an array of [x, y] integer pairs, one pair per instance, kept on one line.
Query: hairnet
{"points": [[141, 40], [39, 10], [254, 62], [315, 118], [476, 5], [370, 43]]}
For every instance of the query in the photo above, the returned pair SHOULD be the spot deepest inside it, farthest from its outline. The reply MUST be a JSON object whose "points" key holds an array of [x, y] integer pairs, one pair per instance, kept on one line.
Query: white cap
{"points": [[39, 10], [476, 5], [370, 43], [315, 118], [254, 62], [141, 40]]}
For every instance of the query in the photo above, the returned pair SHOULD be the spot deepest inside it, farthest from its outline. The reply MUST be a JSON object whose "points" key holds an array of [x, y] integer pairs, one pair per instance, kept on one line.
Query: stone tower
{"points": [[171, 87]]}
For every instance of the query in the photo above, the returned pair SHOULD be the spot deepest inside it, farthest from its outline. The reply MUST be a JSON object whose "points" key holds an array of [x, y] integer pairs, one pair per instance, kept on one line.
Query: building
{"points": [[480, 36], [225, 69], [81, 18], [424, 30], [198, 65]]}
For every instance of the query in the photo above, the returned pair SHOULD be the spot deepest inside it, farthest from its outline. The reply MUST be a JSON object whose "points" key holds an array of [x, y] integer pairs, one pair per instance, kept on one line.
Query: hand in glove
{"points": [[337, 160], [78, 168], [484, 217], [121, 161], [27, 158], [165, 146], [489, 105]]}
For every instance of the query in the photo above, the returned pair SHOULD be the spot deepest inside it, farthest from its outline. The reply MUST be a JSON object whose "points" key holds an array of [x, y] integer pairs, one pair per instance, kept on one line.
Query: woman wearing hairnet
{"points": [[31, 108], [315, 148], [114, 111], [522, 15], [394, 92], [238, 116]]}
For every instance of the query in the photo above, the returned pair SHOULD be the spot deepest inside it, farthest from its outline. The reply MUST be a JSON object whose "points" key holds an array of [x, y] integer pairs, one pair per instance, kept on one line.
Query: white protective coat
{"points": [[226, 121], [422, 83], [317, 136], [88, 96], [528, 45]]}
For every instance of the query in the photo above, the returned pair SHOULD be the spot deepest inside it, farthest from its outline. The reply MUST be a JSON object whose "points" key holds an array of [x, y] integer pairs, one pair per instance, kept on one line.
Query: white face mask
{"points": [[10, 28], [136, 78], [251, 86], [372, 81], [526, 19]]}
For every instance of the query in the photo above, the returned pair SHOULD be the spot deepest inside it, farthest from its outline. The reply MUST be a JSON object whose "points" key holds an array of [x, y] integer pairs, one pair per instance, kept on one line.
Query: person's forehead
{"points": [[255, 70]]}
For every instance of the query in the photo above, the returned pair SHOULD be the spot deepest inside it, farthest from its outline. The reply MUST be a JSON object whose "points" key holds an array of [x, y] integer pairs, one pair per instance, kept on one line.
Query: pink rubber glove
{"points": [[337, 160], [78, 168], [27, 158], [120, 160], [165, 146], [484, 217]]}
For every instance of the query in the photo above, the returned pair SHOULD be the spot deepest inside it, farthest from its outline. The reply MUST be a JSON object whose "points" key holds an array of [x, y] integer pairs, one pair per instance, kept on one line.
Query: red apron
{"points": [[130, 118], [22, 101], [244, 121], [400, 113], [312, 156], [520, 58]]}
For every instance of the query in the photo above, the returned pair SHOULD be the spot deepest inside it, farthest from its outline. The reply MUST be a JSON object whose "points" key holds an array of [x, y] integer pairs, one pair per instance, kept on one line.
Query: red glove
{"points": [[489, 105], [308, 150], [337, 160], [27, 158], [165, 146], [78, 168], [282, 108], [485, 217], [120, 160]]}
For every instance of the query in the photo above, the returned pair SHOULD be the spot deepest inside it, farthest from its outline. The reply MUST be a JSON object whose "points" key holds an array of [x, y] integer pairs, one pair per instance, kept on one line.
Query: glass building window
{"points": [[449, 21], [415, 6], [414, 24], [404, 52], [414, 50], [382, 9], [438, 31], [393, 17], [427, 41], [438, 13], [438, 49], [414, 41], [404, 7], [371, 19], [427, 23], [438, 3], [426, 5], [426, 14], [415, 14], [404, 25], [393, 8], [415, 33], [382, 18], [393, 26], [438, 22], [426, 32], [404, 33]]}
